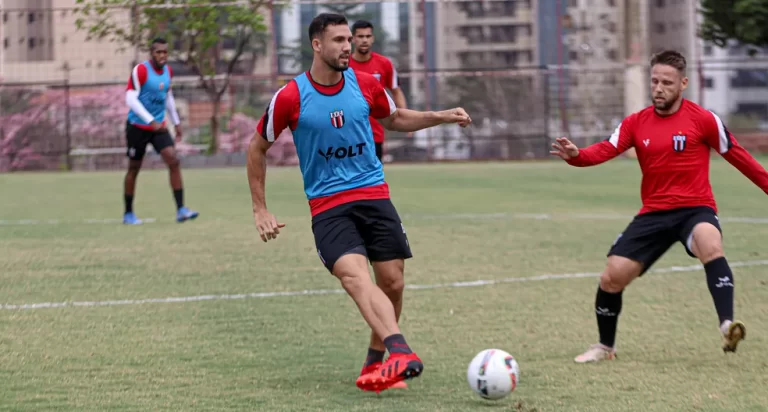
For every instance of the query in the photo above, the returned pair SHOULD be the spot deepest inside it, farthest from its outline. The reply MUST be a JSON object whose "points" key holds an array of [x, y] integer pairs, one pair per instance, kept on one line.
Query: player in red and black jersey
{"points": [[365, 60], [673, 139]]}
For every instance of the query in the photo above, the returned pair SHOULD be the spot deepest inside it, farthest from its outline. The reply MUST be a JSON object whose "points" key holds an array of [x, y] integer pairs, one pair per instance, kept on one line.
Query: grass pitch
{"points": [[223, 349]]}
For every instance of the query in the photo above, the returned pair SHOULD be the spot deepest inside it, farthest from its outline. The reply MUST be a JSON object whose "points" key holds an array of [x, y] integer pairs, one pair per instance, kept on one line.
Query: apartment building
{"points": [[41, 43]]}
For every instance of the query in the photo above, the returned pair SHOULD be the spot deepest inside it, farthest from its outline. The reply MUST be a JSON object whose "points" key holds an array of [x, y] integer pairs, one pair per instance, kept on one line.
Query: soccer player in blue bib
{"points": [[353, 219], [148, 96]]}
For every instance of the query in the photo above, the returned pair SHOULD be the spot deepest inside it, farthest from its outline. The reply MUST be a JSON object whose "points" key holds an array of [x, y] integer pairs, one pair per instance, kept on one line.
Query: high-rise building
{"points": [[41, 43]]}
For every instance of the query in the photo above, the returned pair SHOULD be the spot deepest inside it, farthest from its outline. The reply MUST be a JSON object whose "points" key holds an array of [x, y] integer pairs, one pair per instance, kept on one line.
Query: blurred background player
{"points": [[353, 219], [673, 139], [148, 96], [365, 60]]}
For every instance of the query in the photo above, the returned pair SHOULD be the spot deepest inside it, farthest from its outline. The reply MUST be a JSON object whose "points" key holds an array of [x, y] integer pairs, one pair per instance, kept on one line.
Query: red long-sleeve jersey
{"points": [[674, 153]]}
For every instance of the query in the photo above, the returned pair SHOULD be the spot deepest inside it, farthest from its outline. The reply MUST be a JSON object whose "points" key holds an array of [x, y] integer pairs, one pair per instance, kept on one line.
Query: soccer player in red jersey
{"points": [[353, 219], [673, 139], [365, 60]]}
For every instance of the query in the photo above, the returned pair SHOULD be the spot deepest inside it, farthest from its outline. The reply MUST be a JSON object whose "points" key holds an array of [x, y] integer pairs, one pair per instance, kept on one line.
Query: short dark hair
{"points": [[361, 24], [323, 20], [670, 58], [157, 40]]}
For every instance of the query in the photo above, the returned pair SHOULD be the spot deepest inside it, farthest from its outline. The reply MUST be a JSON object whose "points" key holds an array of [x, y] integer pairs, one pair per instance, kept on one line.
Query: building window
{"points": [[660, 28], [746, 79], [6, 43], [708, 50], [759, 110], [659, 3], [613, 55], [5, 17], [31, 17], [709, 83], [31, 43]]}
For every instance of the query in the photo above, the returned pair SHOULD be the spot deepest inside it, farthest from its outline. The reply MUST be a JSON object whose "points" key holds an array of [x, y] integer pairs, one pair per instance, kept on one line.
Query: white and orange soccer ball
{"points": [[493, 374]]}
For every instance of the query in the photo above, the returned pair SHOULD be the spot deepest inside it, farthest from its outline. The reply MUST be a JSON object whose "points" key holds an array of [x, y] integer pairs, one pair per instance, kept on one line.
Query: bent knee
{"points": [[710, 252], [619, 273], [392, 284], [706, 242], [173, 162]]}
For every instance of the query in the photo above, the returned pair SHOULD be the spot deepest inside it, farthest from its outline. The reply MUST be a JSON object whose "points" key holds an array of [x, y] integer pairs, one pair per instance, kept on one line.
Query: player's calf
{"points": [[618, 274], [706, 244]]}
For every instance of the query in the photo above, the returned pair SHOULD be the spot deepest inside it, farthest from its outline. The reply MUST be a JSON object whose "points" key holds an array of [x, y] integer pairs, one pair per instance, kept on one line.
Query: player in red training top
{"points": [[365, 60], [673, 139]]}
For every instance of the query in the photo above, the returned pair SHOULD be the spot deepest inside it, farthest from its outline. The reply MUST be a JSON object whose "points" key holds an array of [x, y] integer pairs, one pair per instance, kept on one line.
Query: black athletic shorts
{"points": [[379, 150], [368, 227], [650, 235], [137, 140]]}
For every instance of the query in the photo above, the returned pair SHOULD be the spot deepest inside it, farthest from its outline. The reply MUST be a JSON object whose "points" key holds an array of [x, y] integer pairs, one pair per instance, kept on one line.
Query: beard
{"points": [[364, 51], [666, 104], [336, 65]]}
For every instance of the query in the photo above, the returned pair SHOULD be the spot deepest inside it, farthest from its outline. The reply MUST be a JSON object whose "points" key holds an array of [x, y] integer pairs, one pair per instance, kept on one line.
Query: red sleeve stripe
{"points": [[724, 134], [136, 79], [614, 139], [269, 123]]}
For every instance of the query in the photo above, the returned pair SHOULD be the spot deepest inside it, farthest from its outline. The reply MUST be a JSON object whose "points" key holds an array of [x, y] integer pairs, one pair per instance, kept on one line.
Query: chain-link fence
{"points": [[62, 103]]}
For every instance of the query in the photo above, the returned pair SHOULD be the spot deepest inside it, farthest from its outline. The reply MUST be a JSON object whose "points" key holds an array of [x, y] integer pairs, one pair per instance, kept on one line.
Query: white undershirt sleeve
{"points": [[132, 100], [170, 104]]}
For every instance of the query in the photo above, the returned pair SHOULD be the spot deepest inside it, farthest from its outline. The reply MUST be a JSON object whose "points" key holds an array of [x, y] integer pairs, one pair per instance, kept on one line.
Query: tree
{"points": [[214, 41], [301, 51], [742, 20]]}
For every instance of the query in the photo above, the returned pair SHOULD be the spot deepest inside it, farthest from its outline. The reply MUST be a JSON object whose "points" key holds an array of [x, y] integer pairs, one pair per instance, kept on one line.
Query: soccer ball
{"points": [[493, 374]]}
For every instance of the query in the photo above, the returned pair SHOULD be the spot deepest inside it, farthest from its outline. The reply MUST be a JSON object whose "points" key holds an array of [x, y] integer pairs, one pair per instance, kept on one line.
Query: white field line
{"points": [[447, 216], [263, 295]]}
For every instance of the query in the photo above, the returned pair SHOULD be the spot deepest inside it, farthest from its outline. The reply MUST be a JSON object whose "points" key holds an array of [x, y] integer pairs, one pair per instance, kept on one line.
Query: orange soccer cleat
{"points": [[391, 373], [376, 365]]}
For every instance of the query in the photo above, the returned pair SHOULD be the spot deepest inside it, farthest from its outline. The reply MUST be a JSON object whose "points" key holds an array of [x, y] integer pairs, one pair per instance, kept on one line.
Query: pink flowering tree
{"points": [[39, 127]]}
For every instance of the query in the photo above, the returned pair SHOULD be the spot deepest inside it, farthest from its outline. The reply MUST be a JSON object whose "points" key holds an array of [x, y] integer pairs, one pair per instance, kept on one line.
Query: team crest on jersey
{"points": [[377, 76], [678, 142], [337, 118], [162, 85]]}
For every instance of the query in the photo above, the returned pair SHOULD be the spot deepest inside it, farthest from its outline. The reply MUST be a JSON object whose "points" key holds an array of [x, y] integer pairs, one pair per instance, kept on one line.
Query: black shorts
{"points": [[137, 140], [368, 227], [650, 235], [379, 150]]}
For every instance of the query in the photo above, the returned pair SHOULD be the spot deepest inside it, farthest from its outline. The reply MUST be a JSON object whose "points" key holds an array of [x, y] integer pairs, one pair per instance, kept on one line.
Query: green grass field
{"points": [[273, 352]]}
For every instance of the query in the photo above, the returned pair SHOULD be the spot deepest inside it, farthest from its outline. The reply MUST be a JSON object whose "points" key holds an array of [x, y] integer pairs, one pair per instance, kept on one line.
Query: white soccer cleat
{"points": [[596, 353], [733, 333]]}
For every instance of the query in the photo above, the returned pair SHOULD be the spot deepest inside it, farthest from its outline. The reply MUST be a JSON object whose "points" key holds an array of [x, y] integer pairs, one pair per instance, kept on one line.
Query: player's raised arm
{"points": [[719, 138], [385, 110], [281, 113], [600, 152]]}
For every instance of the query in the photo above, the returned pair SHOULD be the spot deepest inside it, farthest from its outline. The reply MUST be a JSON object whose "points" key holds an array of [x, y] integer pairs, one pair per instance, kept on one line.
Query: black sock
{"points": [[374, 356], [396, 344], [179, 196], [607, 308], [128, 203], [720, 282]]}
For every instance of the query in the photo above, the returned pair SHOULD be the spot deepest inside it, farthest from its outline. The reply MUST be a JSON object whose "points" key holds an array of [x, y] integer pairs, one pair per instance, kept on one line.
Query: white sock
{"points": [[724, 326]]}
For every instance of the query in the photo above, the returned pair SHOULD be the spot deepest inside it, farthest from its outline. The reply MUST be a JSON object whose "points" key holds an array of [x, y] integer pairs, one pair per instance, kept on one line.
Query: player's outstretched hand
{"points": [[564, 148], [267, 224], [456, 115]]}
